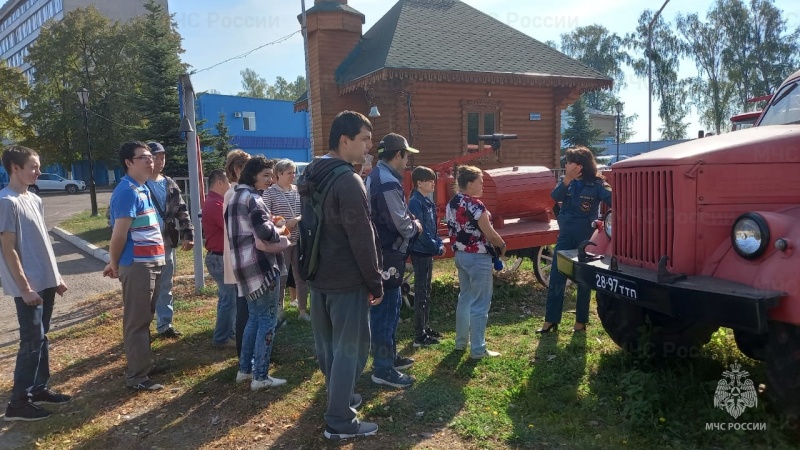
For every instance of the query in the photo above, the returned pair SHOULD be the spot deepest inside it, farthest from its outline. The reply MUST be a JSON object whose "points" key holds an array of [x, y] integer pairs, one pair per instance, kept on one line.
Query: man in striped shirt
{"points": [[136, 255]]}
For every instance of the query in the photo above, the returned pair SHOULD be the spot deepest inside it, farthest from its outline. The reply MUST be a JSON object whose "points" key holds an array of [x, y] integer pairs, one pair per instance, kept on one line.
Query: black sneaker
{"points": [[49, 396], [364, 429], [425, 341], [394, 379], [401, 363], [147, 385], [170, 333], [433, 333], [27, 412]]}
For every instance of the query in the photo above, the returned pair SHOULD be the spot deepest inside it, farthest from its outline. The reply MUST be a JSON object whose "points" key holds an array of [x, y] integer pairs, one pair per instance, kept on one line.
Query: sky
{"points": [[214, 31]]}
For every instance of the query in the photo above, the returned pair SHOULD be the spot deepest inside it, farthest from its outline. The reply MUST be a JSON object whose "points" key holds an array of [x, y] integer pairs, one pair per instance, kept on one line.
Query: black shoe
{"points": [[552, 327], [27, 412], [433, 333], [170, 333], [394, 379], [425, 341], [147, 385], [364, 429], [401, 363], [49, 396]]}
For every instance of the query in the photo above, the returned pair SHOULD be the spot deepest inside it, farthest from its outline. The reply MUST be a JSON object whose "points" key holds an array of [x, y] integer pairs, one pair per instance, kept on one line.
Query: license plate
{"points": [[614, 285]]}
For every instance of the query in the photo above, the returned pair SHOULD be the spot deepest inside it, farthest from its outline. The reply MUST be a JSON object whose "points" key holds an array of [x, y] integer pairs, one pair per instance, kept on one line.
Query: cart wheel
{"points": [[543, 264], [407, 288]]}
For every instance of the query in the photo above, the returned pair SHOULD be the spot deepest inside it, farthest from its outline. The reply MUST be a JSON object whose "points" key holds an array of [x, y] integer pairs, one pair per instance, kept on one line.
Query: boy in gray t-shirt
{"points": [[30, 275]]}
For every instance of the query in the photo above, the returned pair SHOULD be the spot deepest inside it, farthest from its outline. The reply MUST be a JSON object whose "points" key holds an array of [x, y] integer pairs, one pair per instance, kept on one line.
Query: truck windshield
{"points": [[785, 108]]}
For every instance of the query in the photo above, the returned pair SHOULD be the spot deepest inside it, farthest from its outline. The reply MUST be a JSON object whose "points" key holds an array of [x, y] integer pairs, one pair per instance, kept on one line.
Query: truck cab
{"points": [[705, 234]]}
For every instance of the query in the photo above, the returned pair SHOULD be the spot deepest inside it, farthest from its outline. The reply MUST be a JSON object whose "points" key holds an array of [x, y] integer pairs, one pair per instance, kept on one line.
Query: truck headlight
{"points": [[750, 235], [607, 223]]}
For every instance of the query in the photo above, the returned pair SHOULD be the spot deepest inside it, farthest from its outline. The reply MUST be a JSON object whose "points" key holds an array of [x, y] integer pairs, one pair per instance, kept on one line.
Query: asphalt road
{"points": [[82, 273]]}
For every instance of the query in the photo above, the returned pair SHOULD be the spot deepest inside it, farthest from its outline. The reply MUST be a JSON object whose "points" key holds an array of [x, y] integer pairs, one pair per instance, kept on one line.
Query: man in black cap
{"points": [[396, 229], [170, 207]]}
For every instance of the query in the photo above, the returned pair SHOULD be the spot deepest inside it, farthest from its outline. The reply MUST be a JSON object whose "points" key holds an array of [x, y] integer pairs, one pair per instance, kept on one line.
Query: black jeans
{"points": [[33, 359], [423, 268]]}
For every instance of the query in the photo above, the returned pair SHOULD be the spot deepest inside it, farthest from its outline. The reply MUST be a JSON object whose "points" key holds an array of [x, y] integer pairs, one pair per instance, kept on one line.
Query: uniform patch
{"points": [[586, 206]]}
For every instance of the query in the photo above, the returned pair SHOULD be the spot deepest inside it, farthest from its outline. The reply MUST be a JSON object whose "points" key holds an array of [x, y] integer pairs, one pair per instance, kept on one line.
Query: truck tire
{"points": [[783, 372], [647, 333], [753, 346]]}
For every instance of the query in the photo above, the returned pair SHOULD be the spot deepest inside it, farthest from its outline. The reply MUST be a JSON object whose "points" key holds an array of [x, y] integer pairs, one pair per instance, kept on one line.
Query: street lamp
{"points": [[83, 97], [618, 107], [650, 75]]}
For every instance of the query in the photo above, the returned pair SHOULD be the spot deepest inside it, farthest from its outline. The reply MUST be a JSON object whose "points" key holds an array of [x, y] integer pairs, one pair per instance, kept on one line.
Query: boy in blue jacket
{"points": [[427, 245]]}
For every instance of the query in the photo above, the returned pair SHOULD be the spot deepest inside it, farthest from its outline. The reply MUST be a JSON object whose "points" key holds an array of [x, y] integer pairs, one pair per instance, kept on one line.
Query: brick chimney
{"points": [[334, 29]]}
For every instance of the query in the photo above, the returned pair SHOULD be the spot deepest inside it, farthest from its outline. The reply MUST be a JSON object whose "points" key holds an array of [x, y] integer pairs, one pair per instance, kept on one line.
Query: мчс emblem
{"points": [[735, 392], [586, 206]]}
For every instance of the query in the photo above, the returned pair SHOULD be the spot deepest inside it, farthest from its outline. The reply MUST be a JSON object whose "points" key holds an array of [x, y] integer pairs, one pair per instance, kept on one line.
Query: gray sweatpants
{"points": [[140, 288], [341, 338]]}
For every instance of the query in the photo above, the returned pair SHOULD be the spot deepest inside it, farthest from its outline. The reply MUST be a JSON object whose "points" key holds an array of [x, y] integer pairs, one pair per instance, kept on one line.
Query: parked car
{"points": [[53, 182], [301, 166]]}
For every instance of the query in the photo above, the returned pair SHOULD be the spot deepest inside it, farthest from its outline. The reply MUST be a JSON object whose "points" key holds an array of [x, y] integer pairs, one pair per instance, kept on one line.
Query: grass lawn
{"points": [[564, 390]]}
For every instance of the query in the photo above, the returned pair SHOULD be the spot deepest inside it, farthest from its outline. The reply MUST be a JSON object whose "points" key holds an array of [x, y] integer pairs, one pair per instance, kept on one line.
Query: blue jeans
{"points": [[259, 333], [383, 319], [164, 310], [33, 358], [226, 300], [423, 270], [474, 299], [568, 238]]}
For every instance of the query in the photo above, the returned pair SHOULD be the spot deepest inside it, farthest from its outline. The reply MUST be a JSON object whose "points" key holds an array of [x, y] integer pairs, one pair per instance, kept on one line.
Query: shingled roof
{"points": [[451, 36]]}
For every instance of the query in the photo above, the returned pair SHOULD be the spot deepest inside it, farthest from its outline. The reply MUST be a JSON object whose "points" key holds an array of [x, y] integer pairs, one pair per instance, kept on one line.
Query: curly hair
{"points": [[585, 158]]}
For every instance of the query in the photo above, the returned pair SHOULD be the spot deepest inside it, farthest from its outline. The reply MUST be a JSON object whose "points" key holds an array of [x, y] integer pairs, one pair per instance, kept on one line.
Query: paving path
{"points": [[82, 273]]}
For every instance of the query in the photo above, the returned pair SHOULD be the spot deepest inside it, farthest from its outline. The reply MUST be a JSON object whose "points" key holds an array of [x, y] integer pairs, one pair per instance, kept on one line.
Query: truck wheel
{"points": [[783, 372], [543, 263], [753, 346], [644, 332]]}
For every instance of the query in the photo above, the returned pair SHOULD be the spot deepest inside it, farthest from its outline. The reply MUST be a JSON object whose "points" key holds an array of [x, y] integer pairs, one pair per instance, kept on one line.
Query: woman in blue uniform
{"points": [[580, 192]]}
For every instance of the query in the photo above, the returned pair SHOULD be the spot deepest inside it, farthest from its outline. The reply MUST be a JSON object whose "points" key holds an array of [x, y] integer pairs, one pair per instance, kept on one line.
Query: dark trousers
{"points": [[569, 237], [340, 323], [33, 358], [383, 319], [242, 316], [423, 270]]}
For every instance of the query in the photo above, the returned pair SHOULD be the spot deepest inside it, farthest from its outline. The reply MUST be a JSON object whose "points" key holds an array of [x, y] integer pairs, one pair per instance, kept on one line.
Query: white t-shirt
{"points": [[23, 214]]}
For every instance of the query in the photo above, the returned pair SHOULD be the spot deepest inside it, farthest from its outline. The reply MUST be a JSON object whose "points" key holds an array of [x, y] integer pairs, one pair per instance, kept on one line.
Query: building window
{"points": [[480, 117], [249, 119]]}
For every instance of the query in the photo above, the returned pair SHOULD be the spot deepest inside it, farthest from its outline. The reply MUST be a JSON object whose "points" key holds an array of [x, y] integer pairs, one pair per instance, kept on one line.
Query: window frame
{"points": [[481, 107]]}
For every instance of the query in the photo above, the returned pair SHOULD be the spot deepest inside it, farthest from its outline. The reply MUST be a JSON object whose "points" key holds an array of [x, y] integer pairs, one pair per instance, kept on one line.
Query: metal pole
{"points": [[308, 85], [92, 191], [650, 75], [194, 184], [617, 137]]}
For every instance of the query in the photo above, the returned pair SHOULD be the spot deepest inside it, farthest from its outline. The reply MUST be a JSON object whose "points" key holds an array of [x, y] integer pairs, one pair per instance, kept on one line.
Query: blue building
{"points": [[258, 126]]}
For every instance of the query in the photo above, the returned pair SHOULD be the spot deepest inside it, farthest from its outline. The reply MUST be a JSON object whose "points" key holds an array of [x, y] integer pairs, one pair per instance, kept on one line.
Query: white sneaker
{"points": [[269, 382], [486, 354], [241, 376]]}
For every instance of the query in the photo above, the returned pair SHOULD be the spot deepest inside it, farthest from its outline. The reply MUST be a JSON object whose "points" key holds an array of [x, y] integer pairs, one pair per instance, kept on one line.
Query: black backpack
{"points": [[312, 198]]}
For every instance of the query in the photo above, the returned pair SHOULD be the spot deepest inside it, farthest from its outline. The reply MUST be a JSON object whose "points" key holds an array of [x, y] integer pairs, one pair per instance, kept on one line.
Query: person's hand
{"points": [[572, 172], [111, 270], [32, 298], [187, 245], [441, 249], [374, 301], [418, 225], [291, 223], [61, 288]]}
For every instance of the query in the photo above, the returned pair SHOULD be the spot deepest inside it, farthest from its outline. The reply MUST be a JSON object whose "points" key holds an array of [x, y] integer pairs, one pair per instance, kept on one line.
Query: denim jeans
{"points": [[474, 299], [423, 267], [568, 238], [164, 309], [242, 316], [259, 333], [33, 358], [226, 301], [383, 319]]}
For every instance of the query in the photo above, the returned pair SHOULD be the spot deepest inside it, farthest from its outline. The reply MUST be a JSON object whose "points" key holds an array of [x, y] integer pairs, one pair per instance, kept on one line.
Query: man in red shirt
{"points": [[214, 230]]}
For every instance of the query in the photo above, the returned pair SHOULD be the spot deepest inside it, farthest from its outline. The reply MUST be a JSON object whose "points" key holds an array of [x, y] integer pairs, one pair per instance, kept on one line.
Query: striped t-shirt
{"points": [[144, 243], [285, 204]]}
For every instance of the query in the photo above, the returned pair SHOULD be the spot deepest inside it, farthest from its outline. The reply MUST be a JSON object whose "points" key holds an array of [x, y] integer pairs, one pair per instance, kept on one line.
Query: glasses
{"points": [[144, 157]]}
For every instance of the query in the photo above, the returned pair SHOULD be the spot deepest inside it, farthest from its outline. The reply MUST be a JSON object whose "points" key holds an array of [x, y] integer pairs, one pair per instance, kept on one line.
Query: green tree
{"points": [[258, 87], [579, 130], [667, 50], [222, 141], [253, 85], [158, 54], [13, 89]]}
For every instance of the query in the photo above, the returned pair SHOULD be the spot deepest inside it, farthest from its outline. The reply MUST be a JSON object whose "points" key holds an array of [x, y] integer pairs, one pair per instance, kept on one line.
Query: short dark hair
{"points": [[128, 151], [422, 173], [16, 155], [347, 123], [252, 168], [216, 176]]}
